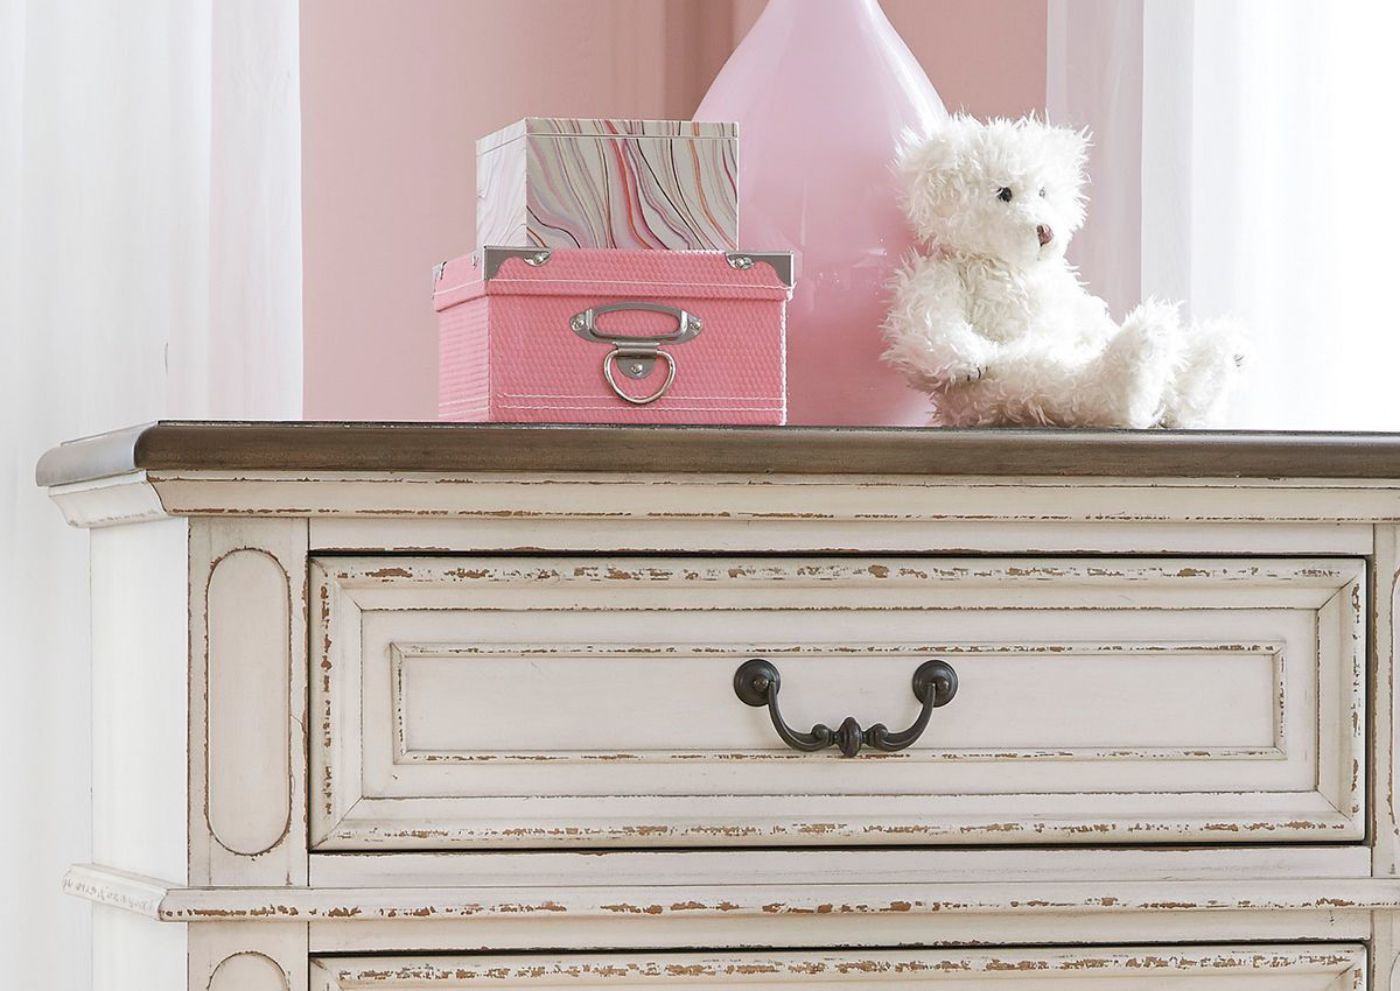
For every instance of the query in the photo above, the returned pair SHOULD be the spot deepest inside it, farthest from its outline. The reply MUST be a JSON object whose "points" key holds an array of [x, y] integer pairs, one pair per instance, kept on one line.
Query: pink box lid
{"points": [[602, 127], [613, 272]]}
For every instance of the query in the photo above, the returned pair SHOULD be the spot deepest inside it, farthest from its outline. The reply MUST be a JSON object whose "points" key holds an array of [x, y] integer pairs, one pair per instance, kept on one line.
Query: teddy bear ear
{"points": [[927, 166]]}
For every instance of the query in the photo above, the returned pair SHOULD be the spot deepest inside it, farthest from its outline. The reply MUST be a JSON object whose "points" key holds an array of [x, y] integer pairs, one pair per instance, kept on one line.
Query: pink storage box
{"points": [[530, 335]]}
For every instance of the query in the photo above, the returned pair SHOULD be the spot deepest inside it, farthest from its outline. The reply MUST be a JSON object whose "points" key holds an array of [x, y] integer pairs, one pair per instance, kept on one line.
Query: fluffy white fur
{"points": [[995, 324]]}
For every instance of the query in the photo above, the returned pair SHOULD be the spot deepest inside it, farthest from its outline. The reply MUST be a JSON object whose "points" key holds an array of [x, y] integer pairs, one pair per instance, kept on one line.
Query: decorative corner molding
{"points": [[119, 889], [247, 672], [109, 501], [167, 903], [248, 971]]}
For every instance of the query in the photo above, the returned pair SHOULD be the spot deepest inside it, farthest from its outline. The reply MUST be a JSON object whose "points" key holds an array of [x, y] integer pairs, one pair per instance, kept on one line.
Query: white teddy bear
{"points": [[995, 324]]}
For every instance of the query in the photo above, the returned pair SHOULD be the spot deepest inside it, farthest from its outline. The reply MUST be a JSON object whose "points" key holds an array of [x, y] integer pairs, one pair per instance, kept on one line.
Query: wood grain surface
{"points": [[443, 447]]}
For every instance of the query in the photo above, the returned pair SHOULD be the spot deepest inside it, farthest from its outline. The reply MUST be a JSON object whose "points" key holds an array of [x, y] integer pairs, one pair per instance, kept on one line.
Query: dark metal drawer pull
{"points": [[756, 682]]}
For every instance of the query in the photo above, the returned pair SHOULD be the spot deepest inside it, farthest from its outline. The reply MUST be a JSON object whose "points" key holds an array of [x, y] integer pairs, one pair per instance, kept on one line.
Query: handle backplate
{"points": [[756, 683], [636, 355]]}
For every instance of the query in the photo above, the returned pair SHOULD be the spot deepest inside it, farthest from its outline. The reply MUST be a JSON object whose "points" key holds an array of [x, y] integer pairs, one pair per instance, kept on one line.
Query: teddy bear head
{"points": [[1006, 190]]}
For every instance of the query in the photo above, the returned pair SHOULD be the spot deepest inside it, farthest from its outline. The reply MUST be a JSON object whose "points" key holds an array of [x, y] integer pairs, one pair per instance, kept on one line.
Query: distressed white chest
{"points": [[458, 707]]}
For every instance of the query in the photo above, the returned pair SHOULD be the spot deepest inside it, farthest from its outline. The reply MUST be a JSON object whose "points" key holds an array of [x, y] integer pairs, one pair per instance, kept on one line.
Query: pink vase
{"points": [[822, 91]]}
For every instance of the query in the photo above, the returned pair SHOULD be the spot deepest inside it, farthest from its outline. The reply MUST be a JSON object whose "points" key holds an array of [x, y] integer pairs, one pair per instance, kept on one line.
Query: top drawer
{"points": [[492, 702]]}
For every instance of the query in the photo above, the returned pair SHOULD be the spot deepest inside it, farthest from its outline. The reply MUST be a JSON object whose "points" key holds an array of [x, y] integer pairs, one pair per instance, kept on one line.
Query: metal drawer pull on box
{"points": [[635, 355], [756, 682]]}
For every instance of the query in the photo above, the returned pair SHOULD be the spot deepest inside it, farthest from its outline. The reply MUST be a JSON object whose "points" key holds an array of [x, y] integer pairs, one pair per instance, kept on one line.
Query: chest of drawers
{"points": [[458, 707]]}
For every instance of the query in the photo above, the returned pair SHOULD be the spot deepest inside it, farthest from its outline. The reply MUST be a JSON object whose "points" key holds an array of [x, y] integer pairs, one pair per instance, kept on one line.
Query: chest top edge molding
{"points": [[450, 448]]}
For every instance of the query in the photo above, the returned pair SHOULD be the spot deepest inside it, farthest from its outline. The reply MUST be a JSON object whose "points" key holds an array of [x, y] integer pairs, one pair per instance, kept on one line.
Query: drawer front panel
{"points": [[471, 702], [1215, 968]]}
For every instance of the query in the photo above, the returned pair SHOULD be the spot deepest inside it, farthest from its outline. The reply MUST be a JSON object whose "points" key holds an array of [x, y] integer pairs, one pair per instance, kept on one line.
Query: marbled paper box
{"points": [[561, 182]]}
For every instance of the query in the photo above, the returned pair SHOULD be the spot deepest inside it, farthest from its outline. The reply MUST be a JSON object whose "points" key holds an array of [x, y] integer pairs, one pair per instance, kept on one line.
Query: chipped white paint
{"points": [[247, 684], [687, 501], [1385, 950], [1101, 700], [825, 933], [1385, 782], [867, 535], [352, 920], [584, 708], [734, 903], [869, 865], [248, 970], [247, 701], [1218, 968], [231, 956]]}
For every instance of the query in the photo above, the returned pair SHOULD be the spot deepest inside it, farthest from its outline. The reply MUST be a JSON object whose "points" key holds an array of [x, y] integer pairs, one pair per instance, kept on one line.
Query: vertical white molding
{"points": [[1385, 773]]}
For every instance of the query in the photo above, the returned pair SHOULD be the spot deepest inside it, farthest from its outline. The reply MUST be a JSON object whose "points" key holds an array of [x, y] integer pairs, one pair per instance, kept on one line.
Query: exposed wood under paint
{"points": [[1222, 968], [1283, 568], [171, 903], [616, 718], [874, 865], [683, 512]]}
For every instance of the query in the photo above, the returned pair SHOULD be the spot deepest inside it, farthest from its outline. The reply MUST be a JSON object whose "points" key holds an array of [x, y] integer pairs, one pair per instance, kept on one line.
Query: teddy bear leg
{"points": [[1126, 385], [1032, 389], [1212, 353]]}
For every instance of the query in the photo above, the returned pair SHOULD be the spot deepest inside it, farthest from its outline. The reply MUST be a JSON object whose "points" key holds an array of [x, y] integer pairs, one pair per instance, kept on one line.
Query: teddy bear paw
{"points": [[953, 374]]}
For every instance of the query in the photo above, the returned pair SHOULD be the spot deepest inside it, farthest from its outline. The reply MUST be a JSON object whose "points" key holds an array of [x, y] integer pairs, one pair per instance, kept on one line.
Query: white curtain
{"points": [[1093, 69], [149, 267], [1267, 143]]}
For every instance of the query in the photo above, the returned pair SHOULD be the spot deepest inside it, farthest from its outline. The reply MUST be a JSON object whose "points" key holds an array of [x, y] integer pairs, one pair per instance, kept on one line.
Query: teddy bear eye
{"points": [[1004, 194], [1042, 192]]}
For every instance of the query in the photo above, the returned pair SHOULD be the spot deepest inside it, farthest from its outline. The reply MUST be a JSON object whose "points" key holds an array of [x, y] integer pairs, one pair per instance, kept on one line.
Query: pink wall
{"points": [[984, 56], [394, 96]]}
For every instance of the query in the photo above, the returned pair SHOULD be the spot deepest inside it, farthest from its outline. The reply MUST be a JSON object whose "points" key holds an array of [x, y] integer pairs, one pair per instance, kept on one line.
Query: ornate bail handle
{"points": [[756, 682]]}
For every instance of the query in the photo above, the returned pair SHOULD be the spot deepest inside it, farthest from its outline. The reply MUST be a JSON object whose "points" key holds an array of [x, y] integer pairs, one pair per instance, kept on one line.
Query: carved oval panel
{"points": [[250, 971], [248, 798]]}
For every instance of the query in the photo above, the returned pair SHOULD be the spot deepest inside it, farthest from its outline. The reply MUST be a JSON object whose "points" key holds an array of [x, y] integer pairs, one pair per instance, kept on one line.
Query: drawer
{"points": [[464, 702], [1291, 967]]}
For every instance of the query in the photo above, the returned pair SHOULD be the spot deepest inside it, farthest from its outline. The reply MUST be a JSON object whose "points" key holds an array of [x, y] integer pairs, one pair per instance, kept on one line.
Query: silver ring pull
{"points": [[634, 355], [629, 358]]}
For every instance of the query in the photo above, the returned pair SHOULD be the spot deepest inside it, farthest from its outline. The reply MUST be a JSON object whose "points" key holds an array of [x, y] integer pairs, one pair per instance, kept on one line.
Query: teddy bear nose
{"points": [[1045, 234]]}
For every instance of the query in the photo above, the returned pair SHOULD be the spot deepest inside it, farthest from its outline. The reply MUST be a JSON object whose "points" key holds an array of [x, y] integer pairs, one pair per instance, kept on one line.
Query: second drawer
{"points": [[473, 702]]}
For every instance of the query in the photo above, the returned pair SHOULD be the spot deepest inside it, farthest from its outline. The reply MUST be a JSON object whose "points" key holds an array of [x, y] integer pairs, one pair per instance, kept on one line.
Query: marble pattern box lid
{"points": [[600, 127], [561, 182]]}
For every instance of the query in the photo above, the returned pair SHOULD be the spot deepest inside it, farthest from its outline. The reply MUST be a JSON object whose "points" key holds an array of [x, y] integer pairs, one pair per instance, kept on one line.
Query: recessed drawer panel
{"points": [[493, 702], [1161, 968]]}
